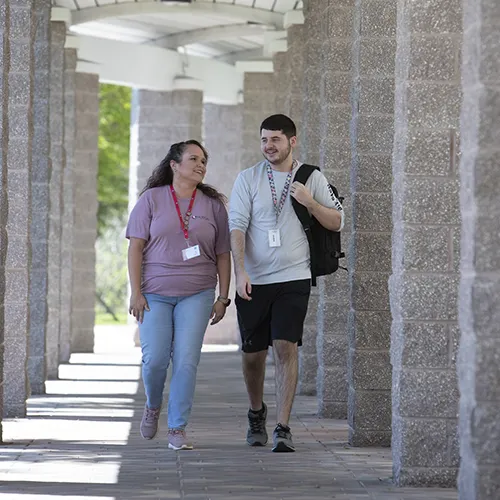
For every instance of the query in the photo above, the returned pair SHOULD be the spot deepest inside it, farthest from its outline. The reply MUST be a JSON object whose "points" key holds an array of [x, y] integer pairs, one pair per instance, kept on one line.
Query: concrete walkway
{"points": [[82, 441]]}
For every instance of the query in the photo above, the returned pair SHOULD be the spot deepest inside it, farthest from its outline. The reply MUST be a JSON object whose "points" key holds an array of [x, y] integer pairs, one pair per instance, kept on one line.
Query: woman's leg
{"points": [[156, 333], [191, 315]]}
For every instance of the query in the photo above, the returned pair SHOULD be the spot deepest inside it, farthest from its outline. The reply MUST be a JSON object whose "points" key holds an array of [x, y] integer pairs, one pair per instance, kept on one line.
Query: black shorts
{"points": [[276, 312]]}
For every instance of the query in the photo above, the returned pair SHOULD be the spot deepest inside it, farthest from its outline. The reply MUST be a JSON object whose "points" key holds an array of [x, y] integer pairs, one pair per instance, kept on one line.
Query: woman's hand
{"points": [[218, 312], [138, 304]]}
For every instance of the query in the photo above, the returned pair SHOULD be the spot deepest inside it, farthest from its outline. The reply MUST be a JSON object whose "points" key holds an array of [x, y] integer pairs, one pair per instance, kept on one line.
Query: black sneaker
{"points": [[282, 439], [257, 434]]}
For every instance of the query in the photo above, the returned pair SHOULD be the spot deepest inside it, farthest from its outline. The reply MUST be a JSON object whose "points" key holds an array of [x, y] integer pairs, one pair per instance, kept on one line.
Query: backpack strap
{"points": [[302, 175]]}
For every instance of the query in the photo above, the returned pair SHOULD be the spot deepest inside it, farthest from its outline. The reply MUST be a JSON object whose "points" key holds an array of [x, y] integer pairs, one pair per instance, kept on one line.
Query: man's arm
{"points": [[243, 285], [240, 209], [329, 218], [238, 249]]}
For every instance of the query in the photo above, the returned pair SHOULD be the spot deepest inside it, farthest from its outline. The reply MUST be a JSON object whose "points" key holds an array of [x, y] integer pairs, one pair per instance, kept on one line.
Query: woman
{"points": [[179, 245]]}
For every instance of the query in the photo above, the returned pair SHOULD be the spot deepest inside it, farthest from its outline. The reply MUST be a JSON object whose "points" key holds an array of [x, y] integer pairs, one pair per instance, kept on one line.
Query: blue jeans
{"points": [[174, 327]]}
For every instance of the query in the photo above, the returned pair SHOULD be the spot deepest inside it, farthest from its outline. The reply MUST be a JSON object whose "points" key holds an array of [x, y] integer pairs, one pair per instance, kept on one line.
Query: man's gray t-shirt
{"points": [[251, 211]]}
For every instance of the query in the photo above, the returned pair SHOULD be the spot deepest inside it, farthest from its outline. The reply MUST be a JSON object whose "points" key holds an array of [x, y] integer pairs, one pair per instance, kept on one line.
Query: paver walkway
{"points": [[81, 441]]}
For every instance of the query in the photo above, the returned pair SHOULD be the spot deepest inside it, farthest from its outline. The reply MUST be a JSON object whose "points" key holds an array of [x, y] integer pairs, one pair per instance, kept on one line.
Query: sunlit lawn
{"points": [[102, 318]]}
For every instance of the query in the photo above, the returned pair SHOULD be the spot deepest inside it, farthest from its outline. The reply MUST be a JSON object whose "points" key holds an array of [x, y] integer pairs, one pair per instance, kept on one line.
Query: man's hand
{"points": [[301, 194], [243, 285]]}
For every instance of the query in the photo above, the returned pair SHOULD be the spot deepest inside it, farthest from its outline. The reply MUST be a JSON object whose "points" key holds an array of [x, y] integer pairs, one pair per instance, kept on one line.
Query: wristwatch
{"points": [[225, 301]]}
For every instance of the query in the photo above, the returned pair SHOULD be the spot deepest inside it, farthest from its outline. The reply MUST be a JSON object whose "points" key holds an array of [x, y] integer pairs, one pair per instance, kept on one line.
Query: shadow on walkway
{"points": [[82, 441]]}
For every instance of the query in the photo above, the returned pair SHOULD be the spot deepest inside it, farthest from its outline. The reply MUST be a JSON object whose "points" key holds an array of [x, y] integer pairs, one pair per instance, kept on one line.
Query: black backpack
{"points": [[323, 243]]}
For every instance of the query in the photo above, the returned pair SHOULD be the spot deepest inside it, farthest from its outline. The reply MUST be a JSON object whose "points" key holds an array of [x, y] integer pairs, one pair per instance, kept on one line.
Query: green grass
{"points": [[102, 318]]}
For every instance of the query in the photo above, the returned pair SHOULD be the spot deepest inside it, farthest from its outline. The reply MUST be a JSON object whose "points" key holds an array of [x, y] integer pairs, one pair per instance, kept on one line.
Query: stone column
{"points": [[426, 235], [160, 119], [40, 200], [222, 138], [309, 146], [4, 58], [478, 366], [334, 29], [68, 203], [259, 102], [294, 102], [369, 259], [17, 137], [85, 210], [281, 65], [58, 36]]}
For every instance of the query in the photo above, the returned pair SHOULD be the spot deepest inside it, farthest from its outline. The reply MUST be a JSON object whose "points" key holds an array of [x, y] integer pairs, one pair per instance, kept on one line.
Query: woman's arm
{"points": [[224, 272], [137, 301]]}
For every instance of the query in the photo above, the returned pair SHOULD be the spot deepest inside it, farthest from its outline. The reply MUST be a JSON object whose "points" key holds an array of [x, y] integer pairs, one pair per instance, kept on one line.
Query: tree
{"points": [[114, 141]]}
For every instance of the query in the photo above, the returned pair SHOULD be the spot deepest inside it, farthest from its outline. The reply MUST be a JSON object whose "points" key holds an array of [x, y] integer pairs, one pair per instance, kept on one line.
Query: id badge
{"points": [[274, 238], [191, 252]]}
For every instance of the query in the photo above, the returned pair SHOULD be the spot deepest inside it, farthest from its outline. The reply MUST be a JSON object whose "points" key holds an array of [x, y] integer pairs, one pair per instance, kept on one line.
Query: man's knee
{"points": [[285, 350], [254, 361]]}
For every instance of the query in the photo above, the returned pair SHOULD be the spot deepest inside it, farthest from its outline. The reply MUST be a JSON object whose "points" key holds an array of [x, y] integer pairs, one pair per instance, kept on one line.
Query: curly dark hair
{"points": [[163, 174]]}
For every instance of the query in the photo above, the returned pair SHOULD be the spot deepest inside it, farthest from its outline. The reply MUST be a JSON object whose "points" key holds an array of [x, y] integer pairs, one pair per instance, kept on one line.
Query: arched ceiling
{"points": [[226, 30]]}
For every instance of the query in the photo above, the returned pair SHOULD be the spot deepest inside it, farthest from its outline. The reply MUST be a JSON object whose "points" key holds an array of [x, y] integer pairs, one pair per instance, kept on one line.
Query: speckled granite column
{"points": [[17, 137], [478, 365], [85, 211], [68, 203], [58, 36], [281, 67], [294, 102], [40, 200], [222, 138], [426, 238], [4, 58], [160, 119], [259, 101], [369, 259], [335, 113], [309, 146]]}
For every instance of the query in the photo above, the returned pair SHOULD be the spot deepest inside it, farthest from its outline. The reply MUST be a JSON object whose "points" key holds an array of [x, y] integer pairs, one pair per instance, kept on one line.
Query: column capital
{"points": [[293, 17], [187, 83], [61, 14], [72, 42], [87, 67], [255, 66]]}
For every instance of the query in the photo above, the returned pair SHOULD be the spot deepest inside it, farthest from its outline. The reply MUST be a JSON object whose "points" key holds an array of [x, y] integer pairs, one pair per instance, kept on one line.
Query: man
{"points": [[273, 277]]}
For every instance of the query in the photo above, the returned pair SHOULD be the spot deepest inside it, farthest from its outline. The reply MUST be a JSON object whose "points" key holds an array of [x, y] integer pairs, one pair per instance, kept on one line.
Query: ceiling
{"points": [[227, 30]]}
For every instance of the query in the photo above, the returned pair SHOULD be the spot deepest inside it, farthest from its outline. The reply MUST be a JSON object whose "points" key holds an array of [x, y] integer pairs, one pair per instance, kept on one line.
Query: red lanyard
{"points": [[184, 221]]}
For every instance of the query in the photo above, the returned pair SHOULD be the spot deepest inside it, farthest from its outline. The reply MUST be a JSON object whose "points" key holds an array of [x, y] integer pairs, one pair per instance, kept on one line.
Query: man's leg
{"points": [[254, 371], [254, 320], [288, 314], [286, 360]]}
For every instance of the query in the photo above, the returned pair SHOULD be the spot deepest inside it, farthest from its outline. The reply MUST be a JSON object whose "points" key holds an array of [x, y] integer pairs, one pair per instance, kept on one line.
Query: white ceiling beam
{"points": [[241, 55], [213, 34], [241, 12]]}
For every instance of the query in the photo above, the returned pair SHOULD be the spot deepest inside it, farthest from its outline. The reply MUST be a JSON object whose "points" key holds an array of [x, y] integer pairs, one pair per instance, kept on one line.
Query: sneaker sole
{"points": [[183, 447], [256, 444], [149, 438], [283, 448]]}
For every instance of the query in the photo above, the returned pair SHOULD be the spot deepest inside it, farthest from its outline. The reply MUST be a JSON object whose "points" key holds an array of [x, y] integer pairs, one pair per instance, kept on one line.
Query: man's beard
{"points": [[282, 156]]}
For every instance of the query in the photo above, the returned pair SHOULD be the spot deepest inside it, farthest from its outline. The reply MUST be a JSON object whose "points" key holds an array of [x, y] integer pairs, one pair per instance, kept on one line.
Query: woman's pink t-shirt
{"points": [[154, 219]]}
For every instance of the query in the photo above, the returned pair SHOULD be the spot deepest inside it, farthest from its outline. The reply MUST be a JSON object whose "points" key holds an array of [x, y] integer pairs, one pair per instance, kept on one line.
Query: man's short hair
{"points": [[280, 122]]}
